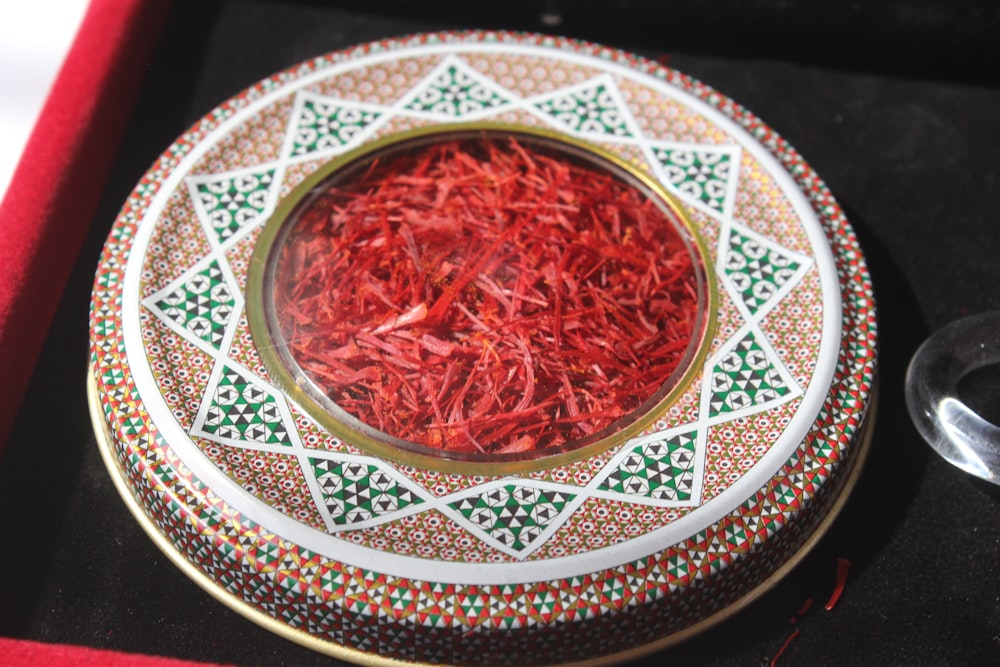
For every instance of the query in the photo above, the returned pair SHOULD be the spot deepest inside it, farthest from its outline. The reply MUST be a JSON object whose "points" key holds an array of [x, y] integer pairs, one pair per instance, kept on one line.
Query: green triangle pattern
{"points": [[234, 202], [202, 305], [591, 110], [756, 270], [701, 175], [513, 515], [455, 92], [323, 125], [243, 410], [745, 377], [660, 469], [354, 492]]}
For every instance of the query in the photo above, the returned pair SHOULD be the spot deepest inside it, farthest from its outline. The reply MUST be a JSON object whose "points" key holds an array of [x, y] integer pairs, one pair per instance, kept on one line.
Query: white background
{"points": [[34, 39]]}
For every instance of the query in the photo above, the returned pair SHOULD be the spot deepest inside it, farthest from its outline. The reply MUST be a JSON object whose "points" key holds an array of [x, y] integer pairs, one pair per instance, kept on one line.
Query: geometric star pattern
{"points": [[262, 568], [512, 514], [323, 124], [701, 173], [745, 377], [230, 203], [456, 90], [202, 305], [355, 491], [241, 409], [661, 469], [756, 270], [592, 110]]}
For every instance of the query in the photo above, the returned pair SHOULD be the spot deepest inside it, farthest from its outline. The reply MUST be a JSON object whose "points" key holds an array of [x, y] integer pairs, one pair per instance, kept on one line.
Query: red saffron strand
{"points": [[784, 647], [806, 606], [843, 565], [481, 295]]}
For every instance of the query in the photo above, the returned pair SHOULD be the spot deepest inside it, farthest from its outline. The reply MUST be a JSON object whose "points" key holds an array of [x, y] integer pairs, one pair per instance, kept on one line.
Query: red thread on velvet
{"points": [[843, 565]]}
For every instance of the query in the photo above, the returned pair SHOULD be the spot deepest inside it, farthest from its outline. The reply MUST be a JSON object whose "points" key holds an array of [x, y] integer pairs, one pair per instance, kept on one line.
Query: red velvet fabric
{"points": [[55, 189], [15, 653]]}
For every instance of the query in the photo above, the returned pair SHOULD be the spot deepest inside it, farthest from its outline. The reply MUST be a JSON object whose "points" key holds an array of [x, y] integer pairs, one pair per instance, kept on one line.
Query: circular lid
{"points": [[354, 343]]}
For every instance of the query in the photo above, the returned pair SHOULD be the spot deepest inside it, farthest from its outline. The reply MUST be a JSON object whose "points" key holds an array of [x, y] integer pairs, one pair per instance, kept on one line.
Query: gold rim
{"points": [[303, 391], [359, 657]]}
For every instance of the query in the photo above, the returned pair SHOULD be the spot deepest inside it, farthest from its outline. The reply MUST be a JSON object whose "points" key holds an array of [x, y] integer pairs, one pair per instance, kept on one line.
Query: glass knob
{"points": [[951, 427]]}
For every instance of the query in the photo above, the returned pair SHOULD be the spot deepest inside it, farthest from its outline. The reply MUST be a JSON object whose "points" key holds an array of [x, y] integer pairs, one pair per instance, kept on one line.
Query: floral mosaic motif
{"points": [[323, 124], [355, 491], [229, 203], [757, 269], [746, 377], [201, 304], [662, 469], [241, 409], [514, 515], [699, 173], [456, 90], [592, 109]]}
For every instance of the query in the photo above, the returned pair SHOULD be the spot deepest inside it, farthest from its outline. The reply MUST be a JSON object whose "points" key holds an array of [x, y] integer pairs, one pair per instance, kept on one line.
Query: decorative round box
{"points": [[673, 505]]}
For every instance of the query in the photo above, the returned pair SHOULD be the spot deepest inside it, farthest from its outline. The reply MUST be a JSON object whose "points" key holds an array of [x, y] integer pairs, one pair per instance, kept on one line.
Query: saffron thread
{"points": [[784, 647], [487, 295], [843, 565]]}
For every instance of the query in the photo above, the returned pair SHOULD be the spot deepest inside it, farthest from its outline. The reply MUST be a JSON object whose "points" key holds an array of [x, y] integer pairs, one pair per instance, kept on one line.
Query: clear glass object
{"points": [[945, 421]]}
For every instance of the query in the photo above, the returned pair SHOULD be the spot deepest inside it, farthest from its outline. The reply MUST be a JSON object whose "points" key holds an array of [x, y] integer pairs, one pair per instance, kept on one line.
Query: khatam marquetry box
{"points": [[590, 554]]}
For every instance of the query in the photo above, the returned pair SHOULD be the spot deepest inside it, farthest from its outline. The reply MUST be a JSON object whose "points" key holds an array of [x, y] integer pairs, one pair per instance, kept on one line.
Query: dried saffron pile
{"points": [[486, 295]]}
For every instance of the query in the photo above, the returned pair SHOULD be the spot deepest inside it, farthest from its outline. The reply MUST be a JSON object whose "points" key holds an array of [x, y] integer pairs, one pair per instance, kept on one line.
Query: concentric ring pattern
{"points": [[364, 555]]}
